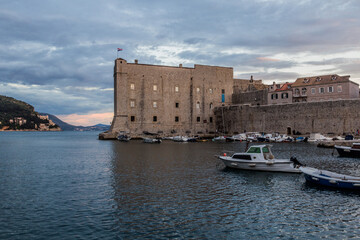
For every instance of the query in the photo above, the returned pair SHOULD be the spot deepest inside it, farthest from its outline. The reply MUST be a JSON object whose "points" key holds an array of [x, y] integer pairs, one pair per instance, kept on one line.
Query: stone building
{"points": [[168, 100], [279, 93], [324, 88], [252, 92]]}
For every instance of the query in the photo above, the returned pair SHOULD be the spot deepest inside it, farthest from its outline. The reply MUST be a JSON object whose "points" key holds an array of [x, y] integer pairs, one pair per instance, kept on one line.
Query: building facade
{"points": [[168, 100], [252, 92], [279, 93], [324, 88]]}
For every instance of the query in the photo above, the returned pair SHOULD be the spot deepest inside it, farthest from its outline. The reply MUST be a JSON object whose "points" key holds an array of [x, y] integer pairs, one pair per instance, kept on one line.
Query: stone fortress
{"points": [[207, 100]]}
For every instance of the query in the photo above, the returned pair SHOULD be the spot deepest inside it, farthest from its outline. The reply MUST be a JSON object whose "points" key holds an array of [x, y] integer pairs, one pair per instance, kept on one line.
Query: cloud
{"points": [[59, 56]]}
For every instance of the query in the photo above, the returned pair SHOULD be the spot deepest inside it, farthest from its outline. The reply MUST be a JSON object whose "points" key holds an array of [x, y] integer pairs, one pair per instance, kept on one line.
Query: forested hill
{"points": [[10, 107], [19, 115]]}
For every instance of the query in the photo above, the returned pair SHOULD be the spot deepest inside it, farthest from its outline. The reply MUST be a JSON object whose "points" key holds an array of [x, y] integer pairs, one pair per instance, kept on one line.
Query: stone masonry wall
{"points": [[330, 117], [168, 100]]}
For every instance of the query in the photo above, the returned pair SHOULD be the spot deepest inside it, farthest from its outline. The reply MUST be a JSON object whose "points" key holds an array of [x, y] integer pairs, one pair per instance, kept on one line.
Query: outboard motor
{"points": [[296, 162]]}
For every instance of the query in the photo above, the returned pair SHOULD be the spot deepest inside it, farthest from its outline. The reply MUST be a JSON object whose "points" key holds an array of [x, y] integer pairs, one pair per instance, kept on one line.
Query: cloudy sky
{"points": [[59, 55]]}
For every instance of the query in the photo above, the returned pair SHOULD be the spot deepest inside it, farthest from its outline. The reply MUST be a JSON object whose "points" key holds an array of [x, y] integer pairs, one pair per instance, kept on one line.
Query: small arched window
{"points": [[211, 105], [198, 105]]}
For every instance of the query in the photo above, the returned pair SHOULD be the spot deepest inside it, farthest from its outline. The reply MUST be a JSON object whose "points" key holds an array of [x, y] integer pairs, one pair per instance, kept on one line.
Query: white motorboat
{"points": [[123, 138], [151, 140], [219, 139], [180, 139], [260, 158]]}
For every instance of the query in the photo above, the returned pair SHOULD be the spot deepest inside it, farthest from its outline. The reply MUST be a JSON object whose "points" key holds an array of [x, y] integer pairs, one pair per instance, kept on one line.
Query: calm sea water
{"points": [[69, 185]]}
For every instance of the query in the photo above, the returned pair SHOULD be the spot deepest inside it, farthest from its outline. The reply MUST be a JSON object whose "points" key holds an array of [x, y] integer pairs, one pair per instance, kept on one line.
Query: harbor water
{"points": [[69, 185]]}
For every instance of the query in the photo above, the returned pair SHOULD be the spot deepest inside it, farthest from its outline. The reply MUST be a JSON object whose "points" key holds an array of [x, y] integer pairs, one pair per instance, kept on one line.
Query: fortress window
{"points": [[132, 118], [154, 118], [284, 95], [155, 87], [321, 90], [198, 105], [297, 91], [211, 105], [198, 119], [176, 119], [155, 104], [198, 90], [132, 86], [177, 105], [210, 120], [223, 91], [176, 89], [132, 103], [313, 91], [210, 90], [331, 89], [339, 88]]}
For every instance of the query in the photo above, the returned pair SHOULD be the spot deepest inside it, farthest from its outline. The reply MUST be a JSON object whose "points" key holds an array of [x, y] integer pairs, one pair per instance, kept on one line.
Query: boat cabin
{"points": [[356, 146], [256, 152]]}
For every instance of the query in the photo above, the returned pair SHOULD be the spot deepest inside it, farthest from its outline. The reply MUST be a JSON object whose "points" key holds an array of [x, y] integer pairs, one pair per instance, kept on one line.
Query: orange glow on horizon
{"points": [[87, 119]]}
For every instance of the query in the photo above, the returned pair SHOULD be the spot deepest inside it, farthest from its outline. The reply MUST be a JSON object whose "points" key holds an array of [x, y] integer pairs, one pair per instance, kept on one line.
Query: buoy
{"points": [[224, 154]]}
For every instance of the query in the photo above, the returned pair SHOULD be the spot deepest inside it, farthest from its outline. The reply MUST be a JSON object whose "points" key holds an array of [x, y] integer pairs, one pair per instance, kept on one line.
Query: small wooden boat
{"points": [[353, 151], [260, 158], [330, 179]]}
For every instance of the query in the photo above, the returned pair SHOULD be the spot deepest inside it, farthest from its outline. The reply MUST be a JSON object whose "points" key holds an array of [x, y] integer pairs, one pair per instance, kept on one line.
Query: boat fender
{"points": [[269, 163], [252, 165], [224, 154]]}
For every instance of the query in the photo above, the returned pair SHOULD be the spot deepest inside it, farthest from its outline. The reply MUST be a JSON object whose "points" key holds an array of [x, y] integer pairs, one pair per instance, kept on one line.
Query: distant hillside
{"points": [[63, 125], [19, 115], [68, 127]]}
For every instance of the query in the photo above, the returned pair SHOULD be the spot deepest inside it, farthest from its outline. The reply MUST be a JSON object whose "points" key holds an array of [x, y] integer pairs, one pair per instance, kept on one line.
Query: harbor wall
{"points": [[328, 117]]}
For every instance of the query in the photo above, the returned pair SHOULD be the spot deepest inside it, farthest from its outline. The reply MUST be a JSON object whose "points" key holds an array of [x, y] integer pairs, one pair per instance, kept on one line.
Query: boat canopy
{"points": [[259, 149]]}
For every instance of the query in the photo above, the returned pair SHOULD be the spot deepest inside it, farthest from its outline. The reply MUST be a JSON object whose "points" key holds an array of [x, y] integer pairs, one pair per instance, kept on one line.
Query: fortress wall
{"points": [[198, 89], [336, 117]]}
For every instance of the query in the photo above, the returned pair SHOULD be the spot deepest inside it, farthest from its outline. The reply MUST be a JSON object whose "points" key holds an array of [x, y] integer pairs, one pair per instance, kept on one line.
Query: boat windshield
{"points": [[254, 150], [266, 150]]}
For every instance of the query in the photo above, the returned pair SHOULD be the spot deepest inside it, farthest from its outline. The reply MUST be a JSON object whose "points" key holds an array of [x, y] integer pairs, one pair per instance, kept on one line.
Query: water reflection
{"points": [[180, 190]]}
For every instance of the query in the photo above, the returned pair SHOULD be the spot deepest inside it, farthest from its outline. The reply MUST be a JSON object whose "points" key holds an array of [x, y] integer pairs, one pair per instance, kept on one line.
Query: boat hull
{"points": [[348, 152], [285, 166], [340, 181]]}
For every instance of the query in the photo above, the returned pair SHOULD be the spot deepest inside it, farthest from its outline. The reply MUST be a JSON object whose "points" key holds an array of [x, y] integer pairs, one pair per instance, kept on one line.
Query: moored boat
{"points": [[330, 179], [260, 158], [219, 139], [123, 138], [151, 140], [353, 151], [180, 139]]}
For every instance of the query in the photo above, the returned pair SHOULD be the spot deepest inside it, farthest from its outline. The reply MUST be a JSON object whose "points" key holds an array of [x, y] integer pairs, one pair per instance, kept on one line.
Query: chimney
{"points": [[251, 79], [136, 61]]}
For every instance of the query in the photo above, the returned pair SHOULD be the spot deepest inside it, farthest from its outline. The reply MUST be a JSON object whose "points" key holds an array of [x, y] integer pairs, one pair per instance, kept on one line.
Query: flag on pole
{"points": [[119, 49]]}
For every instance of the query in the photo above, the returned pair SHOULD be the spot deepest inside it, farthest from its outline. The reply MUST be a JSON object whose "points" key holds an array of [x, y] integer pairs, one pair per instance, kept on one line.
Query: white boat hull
{"points": [[270, 166]]}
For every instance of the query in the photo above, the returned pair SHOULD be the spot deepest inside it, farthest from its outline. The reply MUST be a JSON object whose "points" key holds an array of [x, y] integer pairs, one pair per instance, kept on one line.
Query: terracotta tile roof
{"points": [[320, 80], [284, 87]]}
